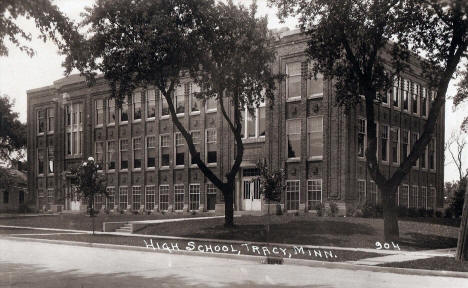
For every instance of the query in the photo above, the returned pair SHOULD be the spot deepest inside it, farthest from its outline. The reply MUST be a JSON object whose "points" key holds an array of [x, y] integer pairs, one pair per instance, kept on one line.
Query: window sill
{"points": [[294, 99], [40, 175], [180, 115], [150, 119], [315, 96], [211, 111], [254, 140], [136, 170], [211, 164], [50, 133], [164, 168], [50, 174], [136, 121], [178, 167], [123, 170], [99, 126], [111, 124], [315, 159], [293, 160], [41, 134], [111, 171], [164, 117], [193, 166], [123, 123], [193, 113]]}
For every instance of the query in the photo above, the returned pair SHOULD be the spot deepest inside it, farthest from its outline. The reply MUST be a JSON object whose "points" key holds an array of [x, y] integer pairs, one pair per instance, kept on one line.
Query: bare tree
{"points": [[455, 145]]}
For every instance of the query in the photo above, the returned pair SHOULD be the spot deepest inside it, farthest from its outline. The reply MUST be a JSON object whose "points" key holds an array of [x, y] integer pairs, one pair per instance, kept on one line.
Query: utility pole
{"points": [[462, 247]]}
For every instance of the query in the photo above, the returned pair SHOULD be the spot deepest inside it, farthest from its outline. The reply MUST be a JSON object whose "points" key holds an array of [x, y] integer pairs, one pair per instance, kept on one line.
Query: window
{"points": [[41, 121], [164, 106], [254, 123], [422, 197], [413, 197], [314, 86], [50, 159], [97, 202], [123, 154], [361, 190], [151, 151], [424, 159], [293, 130], [430, 198], [293, 80], [314, 191], [164, 197], [384, 142], [50, 120], [211, 192], [371, 192], [110, 111], [405, 135], [99, 154], [164, 150], [196, 142], [403, 196], [110, 198], [137, 153], [315, 137], [136, 197], [405, 95], [362, 139], [432, 152], [424, 102], [396, 93], [395, 148], [414, 138], [179, 149], [211, 149], [68, 115], [179, 100], [111, 154], [74, 129], [50, 196], [6, 196], [194, 197], [195, 103], [40, 161], [179, 192], [151, 104], [415, 91], [124, 112], [150, 197], [292, 194], [137, 111], [211, 104], [123, 198], [386, 96], [99, 112]]}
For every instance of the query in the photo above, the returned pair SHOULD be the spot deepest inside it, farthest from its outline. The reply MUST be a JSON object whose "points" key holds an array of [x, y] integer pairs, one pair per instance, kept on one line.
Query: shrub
{"points": [[457, 200], [402, 211], [422, 212], [350, 211], [333, 209], [379, 210], [448, 213], [193, 212], [430, 212], [296, 213], [23, 208], [368, 210], [438, 214], [320, 207], [412, 212]]}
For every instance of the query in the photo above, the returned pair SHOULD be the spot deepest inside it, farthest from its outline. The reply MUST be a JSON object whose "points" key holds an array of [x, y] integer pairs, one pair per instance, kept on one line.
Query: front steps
{"points": [[126, 228]]}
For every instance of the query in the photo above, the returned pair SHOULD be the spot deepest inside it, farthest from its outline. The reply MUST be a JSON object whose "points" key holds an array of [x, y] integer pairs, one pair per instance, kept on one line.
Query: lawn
{"points": [[310, 230], [83, 222], [435, 263]]}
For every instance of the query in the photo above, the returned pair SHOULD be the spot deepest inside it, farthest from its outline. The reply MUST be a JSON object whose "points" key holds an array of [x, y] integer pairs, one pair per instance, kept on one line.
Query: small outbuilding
{"points": [[13, 187]]}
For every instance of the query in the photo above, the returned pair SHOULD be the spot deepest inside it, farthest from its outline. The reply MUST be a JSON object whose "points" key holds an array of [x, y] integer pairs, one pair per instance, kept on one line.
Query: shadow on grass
{"points": [[418, 240]]}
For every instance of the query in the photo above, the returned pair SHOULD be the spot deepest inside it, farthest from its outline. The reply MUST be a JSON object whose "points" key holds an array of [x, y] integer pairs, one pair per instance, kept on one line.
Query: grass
{"points": [[309, 230], [435, 263]]}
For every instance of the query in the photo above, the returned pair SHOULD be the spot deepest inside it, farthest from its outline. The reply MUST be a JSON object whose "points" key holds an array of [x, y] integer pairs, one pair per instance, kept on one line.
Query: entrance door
{"points": [[251, 195]]}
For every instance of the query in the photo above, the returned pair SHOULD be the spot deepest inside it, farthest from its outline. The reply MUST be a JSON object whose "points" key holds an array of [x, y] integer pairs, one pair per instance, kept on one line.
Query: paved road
{"points": [[33, 264]]}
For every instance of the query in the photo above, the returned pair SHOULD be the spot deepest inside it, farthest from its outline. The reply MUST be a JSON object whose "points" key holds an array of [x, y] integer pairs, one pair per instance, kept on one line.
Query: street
{"points": [[34, 264]]}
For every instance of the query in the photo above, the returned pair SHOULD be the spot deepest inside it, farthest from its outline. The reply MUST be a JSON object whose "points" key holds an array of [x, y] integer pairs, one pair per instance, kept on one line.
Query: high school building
{"points": [[148, 166]]}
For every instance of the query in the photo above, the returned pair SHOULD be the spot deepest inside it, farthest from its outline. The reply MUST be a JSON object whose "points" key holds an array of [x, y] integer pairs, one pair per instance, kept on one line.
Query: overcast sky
{"points": [[19, 72]]}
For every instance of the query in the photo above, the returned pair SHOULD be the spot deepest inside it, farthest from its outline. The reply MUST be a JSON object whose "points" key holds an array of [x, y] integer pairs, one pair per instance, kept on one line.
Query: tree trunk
{"points": [[228, 192], [390, 214], [462, 245]]}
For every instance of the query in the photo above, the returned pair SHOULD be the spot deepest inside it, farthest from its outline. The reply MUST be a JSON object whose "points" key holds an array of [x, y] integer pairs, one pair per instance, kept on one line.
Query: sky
{"points": [[19, 72]]}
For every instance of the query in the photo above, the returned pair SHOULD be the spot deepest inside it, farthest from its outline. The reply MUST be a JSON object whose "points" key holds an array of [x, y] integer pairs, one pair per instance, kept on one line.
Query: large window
{"points": [[293, 130], [292, 194], [395, 149], [396, 93], [179, 193], [424, 102], [164, 150], [164, 197], [123, 198], [315, 137], [150, 104], [99, 112], [111, 154], [384, 142], [124, 154], [138, 153], [124, 112], [403, 195], [99, 154], [194, 197], [164, 110], [314, 191], [110, 111], [405, 135], [74, 129], [361, 190], [415, 91], [196, 142], [41, 121], [40, 161], [97, 202], [413, 197], [50, 195], [405, 95], [150, 197], [293, 80], [253, 123], [432, 154], [179, 100], [211, 104], [136, 197], [110, 198], [195, 103], [362, 129], [414, 138], [422, 197], [314, 86], [50, 159], [371, 193], [50, 120], [211, 149], [179, 149], [211, 192], [151, 151], [137, 110]]}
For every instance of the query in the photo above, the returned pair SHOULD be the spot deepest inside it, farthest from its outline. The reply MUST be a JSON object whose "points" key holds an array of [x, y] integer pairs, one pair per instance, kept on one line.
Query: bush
{"points": [[333, 209], [448, 213], [438, 214], [402, 211], [23, 208], [378, 211], [458, 199], [430, 213], [368, 210], [422, 212], [193, 212], [320, 207], [412, 212]]}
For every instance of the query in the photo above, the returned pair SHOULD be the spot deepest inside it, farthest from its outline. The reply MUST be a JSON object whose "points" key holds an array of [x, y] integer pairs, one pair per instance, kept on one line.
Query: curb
{"points": [[257, 259]]}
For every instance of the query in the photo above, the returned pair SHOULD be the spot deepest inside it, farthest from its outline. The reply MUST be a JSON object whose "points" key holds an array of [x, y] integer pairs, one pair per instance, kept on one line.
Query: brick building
{"points": [[148, 165]]}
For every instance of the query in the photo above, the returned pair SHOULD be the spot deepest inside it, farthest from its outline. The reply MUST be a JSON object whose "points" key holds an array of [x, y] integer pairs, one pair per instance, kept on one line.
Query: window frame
{"points": [[297, 158], [296, 97], [311, 191], [134, 105], [309, 132], [213, 142], [298, 182], [161, 150]]}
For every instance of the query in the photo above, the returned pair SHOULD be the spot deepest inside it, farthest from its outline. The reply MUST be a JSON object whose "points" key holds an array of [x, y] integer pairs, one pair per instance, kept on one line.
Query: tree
{"points": [[12, 131], [364, 45], [49, 20], [90, 184], [224, 48], [456, 153]]}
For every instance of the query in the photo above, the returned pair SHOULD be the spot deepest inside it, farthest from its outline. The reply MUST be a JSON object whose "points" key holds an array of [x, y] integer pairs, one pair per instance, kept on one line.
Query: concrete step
{"points": [[127, 228]]}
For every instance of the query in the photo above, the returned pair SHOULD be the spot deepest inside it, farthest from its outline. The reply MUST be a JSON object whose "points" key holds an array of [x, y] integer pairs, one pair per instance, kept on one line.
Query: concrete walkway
{"points": [[405, 256], [157, 221]]}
